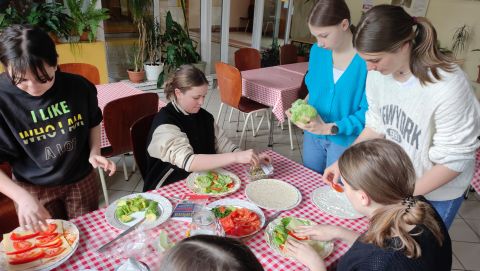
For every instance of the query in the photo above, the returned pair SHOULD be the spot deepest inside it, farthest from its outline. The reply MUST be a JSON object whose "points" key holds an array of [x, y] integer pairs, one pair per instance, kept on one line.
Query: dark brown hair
{"points": [[386, 28], [184, 78], [328, 13], [383, 170], [24, 47], [212, 253]]}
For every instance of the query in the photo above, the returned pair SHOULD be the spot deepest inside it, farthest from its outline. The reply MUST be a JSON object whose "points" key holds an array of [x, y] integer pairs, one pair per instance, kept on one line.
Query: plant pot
{"points": [[302, 59], [136, 77], [478, 77], [153, 71], [54, 37], [201, 65], [84, 36], [71, 39]]}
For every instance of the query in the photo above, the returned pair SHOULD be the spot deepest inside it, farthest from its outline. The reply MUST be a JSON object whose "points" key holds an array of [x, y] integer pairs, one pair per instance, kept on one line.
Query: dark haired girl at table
{"points": [[336, 86], [49, 131], [212, 253], [405, 232], [419, 98], [184, 137]]}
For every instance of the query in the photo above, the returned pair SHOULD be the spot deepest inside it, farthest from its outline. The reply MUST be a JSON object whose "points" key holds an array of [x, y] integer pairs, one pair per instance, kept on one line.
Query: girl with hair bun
{"points": [[405, 231], [184, 137], [419, 98]]}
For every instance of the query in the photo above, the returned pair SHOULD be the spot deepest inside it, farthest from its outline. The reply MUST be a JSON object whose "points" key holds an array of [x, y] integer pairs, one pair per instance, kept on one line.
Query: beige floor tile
{"points": [[470, 210], [461, 231], [118, 182], [113, 195], [139, 187], [474, 224], [456, 265], [467, 254]]}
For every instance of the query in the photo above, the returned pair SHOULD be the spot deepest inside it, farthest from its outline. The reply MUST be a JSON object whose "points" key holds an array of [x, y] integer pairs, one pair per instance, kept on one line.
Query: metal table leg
{"points": [[270, 136]]}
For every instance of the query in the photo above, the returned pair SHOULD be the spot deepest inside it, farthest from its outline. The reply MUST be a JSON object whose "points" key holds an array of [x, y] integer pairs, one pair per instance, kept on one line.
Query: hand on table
{"points": [[100, 161], [318, 232], [305, 254], [31, 214]]}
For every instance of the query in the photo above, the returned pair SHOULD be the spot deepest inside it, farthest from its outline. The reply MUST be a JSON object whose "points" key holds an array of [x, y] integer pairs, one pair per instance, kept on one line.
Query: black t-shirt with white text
{"points": [[46, 138]]}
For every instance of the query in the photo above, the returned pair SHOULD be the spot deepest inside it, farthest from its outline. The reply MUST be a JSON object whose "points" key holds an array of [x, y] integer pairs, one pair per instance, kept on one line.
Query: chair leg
{"points": [[219, 112], [104, 185], [268, 118], [134, 166], [244, 128], [125, 171], [261, 120], [230, 117], [253, 126], [290, 133]]}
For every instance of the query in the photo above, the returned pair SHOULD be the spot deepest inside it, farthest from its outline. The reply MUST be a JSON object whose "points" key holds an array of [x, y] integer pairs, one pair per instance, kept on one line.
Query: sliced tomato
{"points": [[337, 187], [58, 242], [52, 252], [240, 222], [47, 238], [51, 229], [21, 247], [291, 233], [26, 257], [215, 175], [230, 185], [216, 188], [16, 237]]}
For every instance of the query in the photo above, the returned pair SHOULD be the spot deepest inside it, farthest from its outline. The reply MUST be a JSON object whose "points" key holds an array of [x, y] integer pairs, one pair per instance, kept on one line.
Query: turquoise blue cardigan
{"points": [[344, 102]]}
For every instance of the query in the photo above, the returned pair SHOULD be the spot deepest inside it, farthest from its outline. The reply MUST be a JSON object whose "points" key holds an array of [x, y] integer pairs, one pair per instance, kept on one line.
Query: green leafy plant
{"points": [[88, 19], [460, 39], [178, 48], [138, 9], [153, 42], [271, 56]]}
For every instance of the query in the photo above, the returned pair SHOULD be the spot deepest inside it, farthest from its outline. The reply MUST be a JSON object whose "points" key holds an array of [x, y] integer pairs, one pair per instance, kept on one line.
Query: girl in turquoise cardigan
{"points": [[336, 85]]}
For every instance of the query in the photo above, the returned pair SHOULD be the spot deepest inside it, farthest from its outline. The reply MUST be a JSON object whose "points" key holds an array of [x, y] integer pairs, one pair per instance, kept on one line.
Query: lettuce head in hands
{"points": [[302, 112]]}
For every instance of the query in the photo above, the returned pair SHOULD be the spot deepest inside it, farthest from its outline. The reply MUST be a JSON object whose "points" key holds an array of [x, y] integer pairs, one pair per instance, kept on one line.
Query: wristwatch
{"points": [[334, 129]]}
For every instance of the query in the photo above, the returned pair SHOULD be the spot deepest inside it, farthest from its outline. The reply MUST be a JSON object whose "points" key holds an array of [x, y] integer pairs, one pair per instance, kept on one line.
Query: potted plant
{"points": [[478, 76], [138, 8], [136, 73], [302, 53], [271, 56], [86, 20], [460, 39], [153, 67], [178, 48]]}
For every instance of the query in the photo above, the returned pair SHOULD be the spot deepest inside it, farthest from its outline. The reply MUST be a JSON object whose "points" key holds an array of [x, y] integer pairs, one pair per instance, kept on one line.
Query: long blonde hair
{"points": [[383, 170], [385, 28]]}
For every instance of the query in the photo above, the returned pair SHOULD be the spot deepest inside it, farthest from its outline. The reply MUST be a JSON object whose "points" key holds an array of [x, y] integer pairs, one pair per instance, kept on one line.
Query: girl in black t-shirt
{"points": [[405, 232]]}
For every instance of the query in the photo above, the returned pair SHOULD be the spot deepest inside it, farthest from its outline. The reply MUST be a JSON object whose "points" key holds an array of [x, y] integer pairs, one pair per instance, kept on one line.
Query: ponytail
{"points": [[383, 170], [386, 28], [393, 220], [184, 78]]}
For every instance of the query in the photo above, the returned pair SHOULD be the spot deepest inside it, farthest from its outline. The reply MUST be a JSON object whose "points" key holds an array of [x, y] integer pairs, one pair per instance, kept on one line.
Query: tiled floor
{"points": [[465, 232]]}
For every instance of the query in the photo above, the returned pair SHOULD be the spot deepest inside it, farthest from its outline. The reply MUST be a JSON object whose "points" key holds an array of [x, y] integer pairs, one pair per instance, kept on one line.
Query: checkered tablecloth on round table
{"points": [[276, 86], [109, 92], [476, 174], [299, 68], [95, 231]]}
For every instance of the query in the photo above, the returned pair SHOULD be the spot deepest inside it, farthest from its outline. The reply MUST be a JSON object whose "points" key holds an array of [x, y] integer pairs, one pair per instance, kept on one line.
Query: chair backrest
{"points": [[229, 80], [303, 92], [247, 59], [120, 114], [138, 136], [84, 69], [7, 207], [288, 54]]}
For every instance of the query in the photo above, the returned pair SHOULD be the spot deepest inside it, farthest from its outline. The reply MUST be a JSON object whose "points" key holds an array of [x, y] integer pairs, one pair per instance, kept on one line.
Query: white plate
{"points": [[190, 181], [334, 203], [242, 204], [56, 262], [327, 246], [164, 206], [273, 194]]}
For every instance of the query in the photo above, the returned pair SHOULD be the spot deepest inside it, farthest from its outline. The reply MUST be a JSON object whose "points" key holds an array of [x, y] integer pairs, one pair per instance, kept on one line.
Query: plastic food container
{"points": [[258, 173]]}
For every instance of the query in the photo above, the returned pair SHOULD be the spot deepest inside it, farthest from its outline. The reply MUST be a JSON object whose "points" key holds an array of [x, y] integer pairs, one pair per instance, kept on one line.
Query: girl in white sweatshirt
{"points": [[419, 98]]}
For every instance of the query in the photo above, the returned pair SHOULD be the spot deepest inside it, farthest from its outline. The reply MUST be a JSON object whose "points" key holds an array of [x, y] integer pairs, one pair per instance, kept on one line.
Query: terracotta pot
{"points": [[84, 36], [478, 77], [54, 37], [302, 59], [136, 77]]}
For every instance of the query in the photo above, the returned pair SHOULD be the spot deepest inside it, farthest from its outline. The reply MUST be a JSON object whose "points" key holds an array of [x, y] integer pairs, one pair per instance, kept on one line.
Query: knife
{"points": [[102, 248]]}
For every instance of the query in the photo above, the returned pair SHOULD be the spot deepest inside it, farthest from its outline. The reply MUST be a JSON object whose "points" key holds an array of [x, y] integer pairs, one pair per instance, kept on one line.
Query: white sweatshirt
{"points": [[435, 124]]}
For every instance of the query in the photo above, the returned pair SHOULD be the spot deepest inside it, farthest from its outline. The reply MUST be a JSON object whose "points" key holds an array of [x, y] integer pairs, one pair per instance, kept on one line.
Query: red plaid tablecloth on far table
{"points": [[95, 231], [476, 174], [109, 92], [276, 86]]}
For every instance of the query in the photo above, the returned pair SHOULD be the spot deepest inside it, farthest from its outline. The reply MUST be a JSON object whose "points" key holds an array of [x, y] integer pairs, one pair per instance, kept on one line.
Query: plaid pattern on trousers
{"points": [[67, 201]]}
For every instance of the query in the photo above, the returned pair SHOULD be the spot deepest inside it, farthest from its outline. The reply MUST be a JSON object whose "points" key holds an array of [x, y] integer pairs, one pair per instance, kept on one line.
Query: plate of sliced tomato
{"points": [[239, 218], [43, 250]]}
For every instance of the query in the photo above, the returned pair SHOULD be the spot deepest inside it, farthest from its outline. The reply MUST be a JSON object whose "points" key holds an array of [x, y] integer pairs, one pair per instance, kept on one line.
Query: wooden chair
{"points": [[229, 81], [138, 136], [86, 70], [247, 59], [8, 214], [288, 54], [118, 116], [302, 93]]}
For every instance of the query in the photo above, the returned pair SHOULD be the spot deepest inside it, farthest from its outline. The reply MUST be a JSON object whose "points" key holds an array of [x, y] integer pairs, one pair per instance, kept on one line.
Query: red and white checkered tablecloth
{"points": [[112, 91], [95, 231], [276, 86], [476, 175]]}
